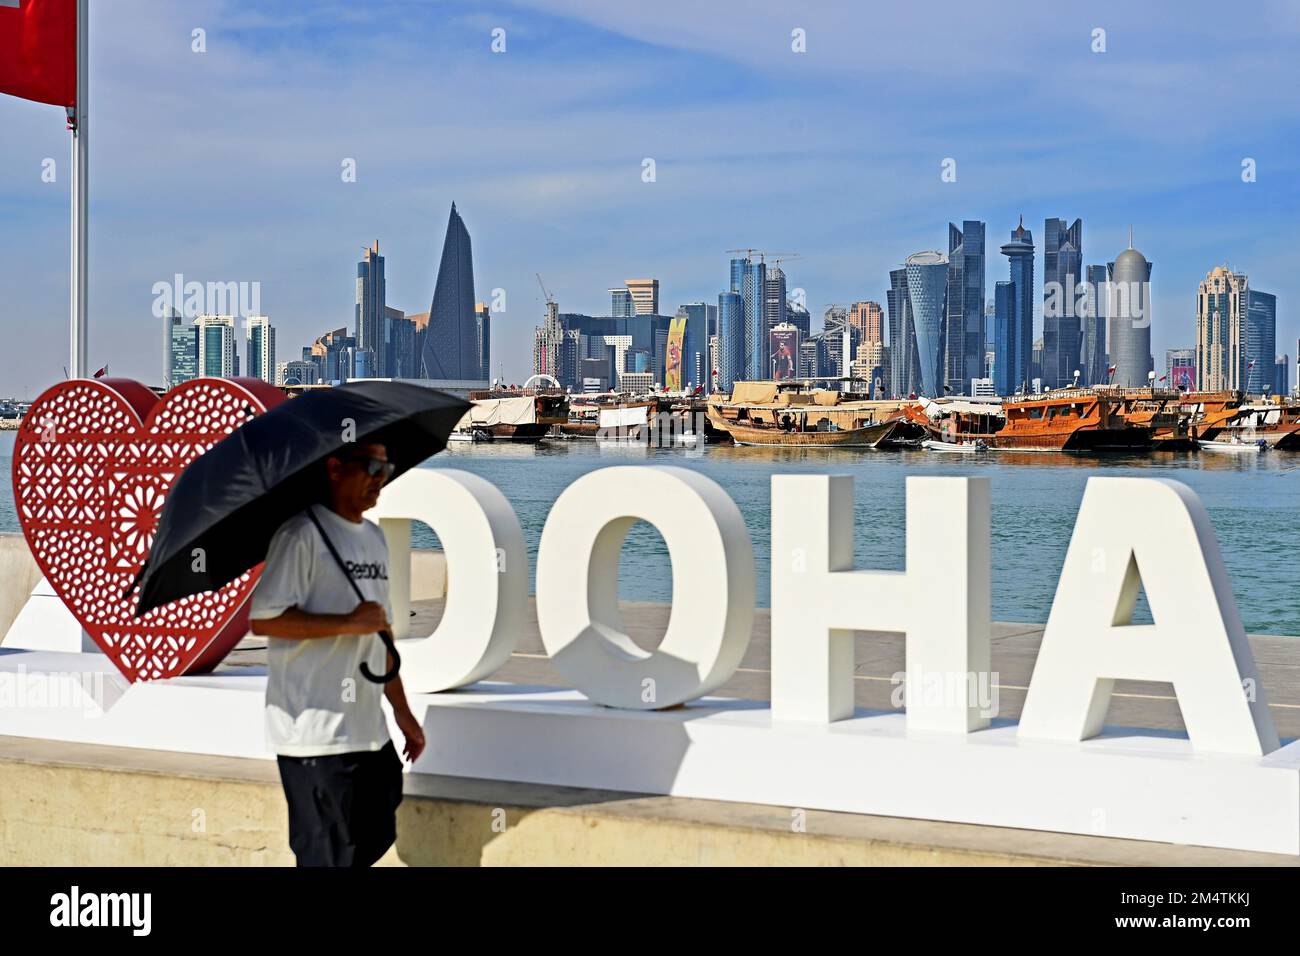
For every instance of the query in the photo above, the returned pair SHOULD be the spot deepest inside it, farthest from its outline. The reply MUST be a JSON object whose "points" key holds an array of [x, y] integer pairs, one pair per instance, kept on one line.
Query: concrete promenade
{"points": [[78, 804]]}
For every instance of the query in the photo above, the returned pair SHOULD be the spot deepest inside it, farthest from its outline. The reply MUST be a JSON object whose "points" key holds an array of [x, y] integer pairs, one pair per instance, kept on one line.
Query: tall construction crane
{"points": [[763, 256], [550, 299]]}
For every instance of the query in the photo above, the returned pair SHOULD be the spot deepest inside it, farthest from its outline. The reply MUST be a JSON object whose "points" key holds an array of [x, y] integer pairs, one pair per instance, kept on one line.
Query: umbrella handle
{"points": [[369, 675], [384, 635]]}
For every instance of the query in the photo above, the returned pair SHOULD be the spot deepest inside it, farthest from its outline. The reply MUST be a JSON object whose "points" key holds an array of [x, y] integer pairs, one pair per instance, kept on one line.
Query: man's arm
{"points": [[296, 624], [394, 690], [406, 721]]}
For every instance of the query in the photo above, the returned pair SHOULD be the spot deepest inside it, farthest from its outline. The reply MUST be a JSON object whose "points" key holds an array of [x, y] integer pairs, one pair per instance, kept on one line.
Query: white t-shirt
{"points": [[317, 700]]}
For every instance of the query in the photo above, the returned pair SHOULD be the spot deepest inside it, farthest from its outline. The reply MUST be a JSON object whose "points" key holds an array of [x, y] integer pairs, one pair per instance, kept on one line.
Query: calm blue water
{"points": [[1254, 504], [1253, 501]]}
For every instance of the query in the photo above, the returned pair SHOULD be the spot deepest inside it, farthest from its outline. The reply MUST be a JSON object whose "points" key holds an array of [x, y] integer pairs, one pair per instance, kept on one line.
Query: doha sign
{"points": [[947, 756], [646, 720], [941, 602]]}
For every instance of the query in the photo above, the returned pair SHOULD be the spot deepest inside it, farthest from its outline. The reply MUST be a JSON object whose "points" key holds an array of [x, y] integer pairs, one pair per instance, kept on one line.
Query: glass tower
{"points": [[1260, 352], [370, 321], [731, 341], [963, 333], [1092, 357], [1128, 334], [1062, 272], [1015, 362], [904, 373], [749, 279], [1004, 310], [261, 348], [927, 282], [700, 318], [182, 352], [450, 349]]}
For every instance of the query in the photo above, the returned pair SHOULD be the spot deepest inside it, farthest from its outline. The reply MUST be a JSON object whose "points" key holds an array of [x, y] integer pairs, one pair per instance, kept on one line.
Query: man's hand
{"points": [[412, 731], [366, 618]]}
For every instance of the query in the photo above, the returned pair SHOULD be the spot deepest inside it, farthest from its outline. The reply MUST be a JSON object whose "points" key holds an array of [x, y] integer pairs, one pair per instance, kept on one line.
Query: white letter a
{"points": [[1152, 533]]}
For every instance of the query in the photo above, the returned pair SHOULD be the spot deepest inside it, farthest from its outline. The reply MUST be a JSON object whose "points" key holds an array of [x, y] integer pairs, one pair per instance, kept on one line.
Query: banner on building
{"points": [[673, 360]]}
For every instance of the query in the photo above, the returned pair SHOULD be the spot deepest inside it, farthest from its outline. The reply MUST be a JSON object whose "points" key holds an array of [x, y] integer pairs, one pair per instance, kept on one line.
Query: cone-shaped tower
{"points": [[450, 347]]}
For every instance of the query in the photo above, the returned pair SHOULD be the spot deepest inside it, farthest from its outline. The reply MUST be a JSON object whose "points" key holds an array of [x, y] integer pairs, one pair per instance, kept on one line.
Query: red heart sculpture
{"points": [[93, 461]]}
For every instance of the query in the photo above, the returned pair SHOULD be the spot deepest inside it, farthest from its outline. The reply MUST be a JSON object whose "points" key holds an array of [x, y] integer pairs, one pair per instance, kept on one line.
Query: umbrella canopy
{"points": [[231, 499]]}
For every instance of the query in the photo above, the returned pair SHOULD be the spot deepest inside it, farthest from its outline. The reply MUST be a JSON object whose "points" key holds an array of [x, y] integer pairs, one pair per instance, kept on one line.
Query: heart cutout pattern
{"points": [[93, 462]]}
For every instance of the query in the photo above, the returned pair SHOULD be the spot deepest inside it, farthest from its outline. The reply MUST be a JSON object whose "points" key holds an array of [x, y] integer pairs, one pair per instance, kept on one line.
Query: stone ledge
{"points": [[76, 804]]}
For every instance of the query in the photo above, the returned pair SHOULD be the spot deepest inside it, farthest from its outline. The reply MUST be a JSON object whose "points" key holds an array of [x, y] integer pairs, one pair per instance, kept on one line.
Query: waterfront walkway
{"points": [[879, 658], [76, 804]]}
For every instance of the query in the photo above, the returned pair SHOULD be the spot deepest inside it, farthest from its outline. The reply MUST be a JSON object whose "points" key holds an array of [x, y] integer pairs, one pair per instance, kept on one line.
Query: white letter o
{"points": [[713, 586], [487, 575]]}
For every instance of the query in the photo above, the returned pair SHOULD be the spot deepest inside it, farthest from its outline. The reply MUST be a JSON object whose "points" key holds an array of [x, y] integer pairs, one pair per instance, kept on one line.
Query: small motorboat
{"points": [[1235, 445], [954, 447]]}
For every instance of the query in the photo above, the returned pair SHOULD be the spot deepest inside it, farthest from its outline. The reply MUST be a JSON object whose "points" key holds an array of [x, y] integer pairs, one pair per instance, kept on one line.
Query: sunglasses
{"points": [[376, 466]]}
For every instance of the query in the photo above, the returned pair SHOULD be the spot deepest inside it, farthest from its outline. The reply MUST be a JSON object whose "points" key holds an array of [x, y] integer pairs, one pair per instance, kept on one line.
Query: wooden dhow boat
{"points": [[788, 413]]}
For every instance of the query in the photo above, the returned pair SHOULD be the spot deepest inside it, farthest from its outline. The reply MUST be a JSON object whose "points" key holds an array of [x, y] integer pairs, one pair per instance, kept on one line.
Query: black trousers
{"points": [[342, 807]]}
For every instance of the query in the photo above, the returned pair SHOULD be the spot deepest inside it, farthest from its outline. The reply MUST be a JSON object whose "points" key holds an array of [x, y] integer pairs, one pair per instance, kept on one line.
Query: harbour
{"points": [[1035, 498]]}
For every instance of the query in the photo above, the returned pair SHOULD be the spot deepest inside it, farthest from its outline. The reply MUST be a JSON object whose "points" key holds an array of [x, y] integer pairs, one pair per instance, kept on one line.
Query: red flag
{"points": [[101, 373], [38, 50]]}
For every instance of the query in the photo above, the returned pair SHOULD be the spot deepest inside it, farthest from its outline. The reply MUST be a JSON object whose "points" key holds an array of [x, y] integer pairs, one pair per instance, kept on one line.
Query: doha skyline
{"points": [[543, 148]]}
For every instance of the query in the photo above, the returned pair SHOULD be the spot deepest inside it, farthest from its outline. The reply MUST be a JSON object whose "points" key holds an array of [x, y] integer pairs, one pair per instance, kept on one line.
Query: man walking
{"points": [[341, 774]]}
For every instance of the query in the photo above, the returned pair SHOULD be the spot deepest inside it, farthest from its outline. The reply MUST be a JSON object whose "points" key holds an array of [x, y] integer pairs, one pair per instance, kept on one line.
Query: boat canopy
{"points": [[623, 416], [520, 410]]}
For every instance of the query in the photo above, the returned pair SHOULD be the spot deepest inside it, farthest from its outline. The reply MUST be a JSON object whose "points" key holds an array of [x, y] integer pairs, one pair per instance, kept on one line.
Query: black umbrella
{"points": [[231, 499]]}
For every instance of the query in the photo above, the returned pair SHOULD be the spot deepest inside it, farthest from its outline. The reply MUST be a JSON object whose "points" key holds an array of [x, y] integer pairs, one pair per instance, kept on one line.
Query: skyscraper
{"points": [[839, 342], [773, 301], [1062, 273], [216, 341], [1128, 332], [620, 303], [1282, 375], [1260, 352], [731, 341], [869, 319], [261, 348], [548, 344], [927, 283], [1221, 307], [904, 370], [749, 279], [403, 358], [370, 321], [1015, 363], [798, 316], [180, 350], [328, 352], [1004, 311], [483, 339], [645, 295], [451, 341], [1092, 357], [700, 318], [963, 326]]}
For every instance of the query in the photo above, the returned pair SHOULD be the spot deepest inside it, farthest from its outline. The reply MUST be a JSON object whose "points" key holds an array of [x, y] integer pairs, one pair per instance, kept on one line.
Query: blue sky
{"points": [[225, 165]]}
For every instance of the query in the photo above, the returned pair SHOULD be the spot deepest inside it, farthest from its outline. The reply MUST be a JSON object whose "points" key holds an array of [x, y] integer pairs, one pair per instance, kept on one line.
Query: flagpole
{"points": [[80, 197]]}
